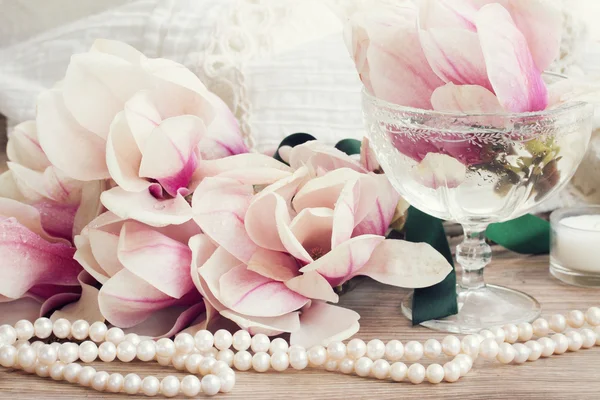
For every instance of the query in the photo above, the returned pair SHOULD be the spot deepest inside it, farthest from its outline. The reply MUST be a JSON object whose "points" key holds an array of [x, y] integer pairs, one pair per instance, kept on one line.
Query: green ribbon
{"points": [[293, 140], [525, 235], [349, 146]]}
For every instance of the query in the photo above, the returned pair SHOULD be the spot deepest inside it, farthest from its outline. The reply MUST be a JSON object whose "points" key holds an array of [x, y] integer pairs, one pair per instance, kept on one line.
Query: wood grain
{"points": [[570, 376]]}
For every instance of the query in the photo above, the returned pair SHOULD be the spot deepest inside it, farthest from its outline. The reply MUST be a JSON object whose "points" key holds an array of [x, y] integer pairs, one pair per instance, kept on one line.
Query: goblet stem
{"points": [[473, 254]]}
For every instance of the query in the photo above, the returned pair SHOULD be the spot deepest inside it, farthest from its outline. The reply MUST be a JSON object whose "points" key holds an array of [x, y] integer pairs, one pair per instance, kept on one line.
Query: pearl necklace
{"points": [[211, 356]]}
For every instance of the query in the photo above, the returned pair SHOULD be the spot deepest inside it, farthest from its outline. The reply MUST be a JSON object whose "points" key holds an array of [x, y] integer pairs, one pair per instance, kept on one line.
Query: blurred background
{"points": [[280, 65]]}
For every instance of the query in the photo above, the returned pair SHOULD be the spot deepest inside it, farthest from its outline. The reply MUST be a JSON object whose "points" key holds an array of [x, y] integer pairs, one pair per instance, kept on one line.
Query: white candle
{"points": [[576, 243]]}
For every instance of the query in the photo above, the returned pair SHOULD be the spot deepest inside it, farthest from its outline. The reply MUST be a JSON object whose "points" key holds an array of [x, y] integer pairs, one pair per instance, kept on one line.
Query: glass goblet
{"points": [[476, 170]]}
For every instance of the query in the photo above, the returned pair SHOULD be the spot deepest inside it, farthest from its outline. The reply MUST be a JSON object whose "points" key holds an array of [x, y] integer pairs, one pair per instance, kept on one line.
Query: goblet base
{"points": [[481, 308]]}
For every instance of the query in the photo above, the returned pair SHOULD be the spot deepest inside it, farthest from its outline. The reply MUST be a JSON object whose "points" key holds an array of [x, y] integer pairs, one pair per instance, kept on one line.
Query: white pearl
{"points": [[470, 345], [331, 365], [346, 366], [43, 371], [55, 346], [98, 331], [317, 355], [489, 349], [356, 348], [261, 361], [192, 363], [211, 384], [205, 366], [204, 340], [80, 329], [126, 351], [164, 361], [146, 350], [241, 340], [100, 381], [242, 360], [278, 344], [548, 346], [394, 350], [165, 348], [499, 333], [337, 350], [115, 383], [115, 335], [452, 371], [190, 386], [363, 366], [380, 369], [451, 345], [26, 356], [435, 373], [42, 328], [597, 332], [398, 371], [88, 351], [525, 331], [169, 386], [150, 386], [226, 355], [24, 330], [47, 355], [298, 358], [227, 379], [535, 350], [132, 384], [223, 339], [132, 338], [260, 343], [71, 372], [465, 363], [86, 375], [506, 353], [280, 361], [576, 319], [219, 367], [56, 371], [575, 340], [592, 316], [413, 351], [432, 349], [416, 373], [68, 352], [511, 333], [562, 343], [558, 323], [212, 352], [541, 327], [375, 349], [61, 328], [20, 343], [107, 351], [588, 338], [521, 353], [487, 334], [178, 361], [8, 356]]}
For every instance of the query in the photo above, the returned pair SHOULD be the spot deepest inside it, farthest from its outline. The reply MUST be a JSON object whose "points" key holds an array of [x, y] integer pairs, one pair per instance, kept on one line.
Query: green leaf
{"points": [[293, 140], [349, 146], [526, 235], [437, 301]]}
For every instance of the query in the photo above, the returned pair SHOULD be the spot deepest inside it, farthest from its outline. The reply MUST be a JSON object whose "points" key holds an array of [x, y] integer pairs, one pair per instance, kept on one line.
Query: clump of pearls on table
{"points": [[213, 356]]}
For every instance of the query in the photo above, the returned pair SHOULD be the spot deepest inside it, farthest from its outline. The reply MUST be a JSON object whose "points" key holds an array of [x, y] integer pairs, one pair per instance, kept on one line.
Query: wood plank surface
{"points": [[570, 376]]}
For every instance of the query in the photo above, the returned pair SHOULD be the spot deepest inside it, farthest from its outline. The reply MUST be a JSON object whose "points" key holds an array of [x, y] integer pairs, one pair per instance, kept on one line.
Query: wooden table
{"points": [[570, 376]]}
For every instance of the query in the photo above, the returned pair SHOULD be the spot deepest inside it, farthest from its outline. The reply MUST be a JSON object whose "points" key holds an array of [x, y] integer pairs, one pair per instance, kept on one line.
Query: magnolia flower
{"points": [[37, 269], [282, 250], [65, 205], [144, 123], [144, 273]]}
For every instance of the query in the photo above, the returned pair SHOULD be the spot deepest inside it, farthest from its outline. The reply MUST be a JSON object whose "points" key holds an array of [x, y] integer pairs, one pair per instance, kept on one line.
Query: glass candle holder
{"points": [[574, 257], [477, 169]]}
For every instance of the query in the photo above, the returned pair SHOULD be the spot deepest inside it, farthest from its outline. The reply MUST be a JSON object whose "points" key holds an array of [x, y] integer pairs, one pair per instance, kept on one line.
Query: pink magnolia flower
{"points": [[38, 271], [144, 273], [144, 123], [281, 251]]}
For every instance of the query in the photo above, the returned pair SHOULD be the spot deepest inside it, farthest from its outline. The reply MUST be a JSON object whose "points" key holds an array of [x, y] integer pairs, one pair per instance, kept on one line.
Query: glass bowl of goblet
{"points": [[477, 169]]}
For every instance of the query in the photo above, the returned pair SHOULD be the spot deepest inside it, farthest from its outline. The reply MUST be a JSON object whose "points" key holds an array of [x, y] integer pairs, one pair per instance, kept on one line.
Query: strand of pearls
{"points": [[211, 356]]}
